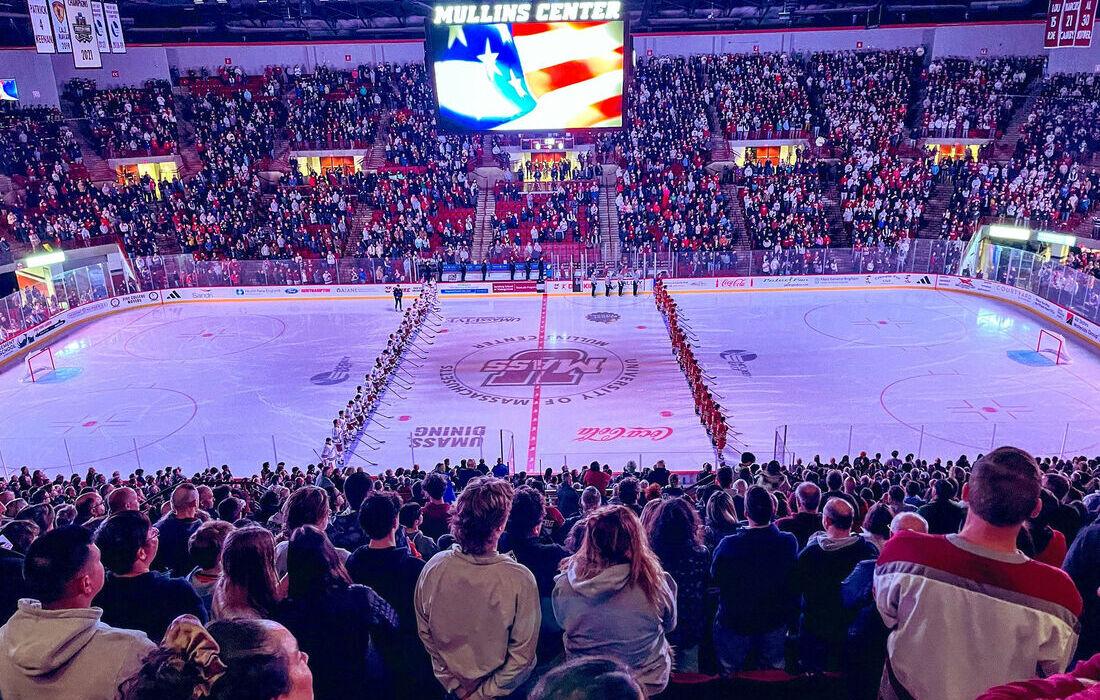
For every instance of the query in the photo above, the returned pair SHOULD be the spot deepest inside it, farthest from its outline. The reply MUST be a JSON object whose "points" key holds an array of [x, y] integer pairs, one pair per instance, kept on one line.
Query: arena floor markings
{"points": [[192, 384], [934, 373]]}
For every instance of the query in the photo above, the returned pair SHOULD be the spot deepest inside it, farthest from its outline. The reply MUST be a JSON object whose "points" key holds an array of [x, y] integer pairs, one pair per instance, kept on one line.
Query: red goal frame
{"points": [[46, 367], [1054, 344]]}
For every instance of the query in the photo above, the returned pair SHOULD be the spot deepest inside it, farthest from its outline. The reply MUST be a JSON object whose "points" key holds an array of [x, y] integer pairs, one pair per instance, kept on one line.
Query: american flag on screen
{"points": [[530, 76]]}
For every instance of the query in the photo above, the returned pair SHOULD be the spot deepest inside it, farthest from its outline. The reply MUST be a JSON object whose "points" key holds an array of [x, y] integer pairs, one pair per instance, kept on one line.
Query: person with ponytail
{"points": [[613, 599], [232, 660]]}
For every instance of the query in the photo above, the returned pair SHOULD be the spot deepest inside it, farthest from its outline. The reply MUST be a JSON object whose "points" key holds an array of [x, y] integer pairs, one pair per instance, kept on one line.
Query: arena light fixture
{"points": [[1057, 238], [44, 259], [1009, 233]]}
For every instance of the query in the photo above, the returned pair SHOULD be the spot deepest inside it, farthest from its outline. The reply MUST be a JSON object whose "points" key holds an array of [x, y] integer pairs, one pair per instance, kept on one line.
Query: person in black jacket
{"points": [[392, 572], [175, 531], [753, 569], [523, 538], [19, 534], [337, 622], [944, 515], [1083, 566], [826, 561], [134, 597]]}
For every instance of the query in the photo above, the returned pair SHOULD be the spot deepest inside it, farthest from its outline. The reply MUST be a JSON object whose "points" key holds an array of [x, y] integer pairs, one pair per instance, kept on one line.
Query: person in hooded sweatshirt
{"points": [[614, 600], [478, 610], [828, 559], [54, 646]]}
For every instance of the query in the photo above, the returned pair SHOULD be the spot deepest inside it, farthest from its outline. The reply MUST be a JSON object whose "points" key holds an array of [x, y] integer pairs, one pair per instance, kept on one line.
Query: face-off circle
{"points": [[507, 370], [204, 337]]}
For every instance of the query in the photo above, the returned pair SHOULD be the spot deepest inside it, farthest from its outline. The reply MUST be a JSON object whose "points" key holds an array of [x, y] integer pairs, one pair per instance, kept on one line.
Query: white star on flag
{"points": [[456, 34], [490, 60], [517, 84]]}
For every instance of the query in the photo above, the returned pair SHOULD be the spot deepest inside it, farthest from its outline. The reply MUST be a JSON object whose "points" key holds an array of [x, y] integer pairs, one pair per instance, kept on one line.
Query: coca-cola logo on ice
{"points": [[622, 433]]}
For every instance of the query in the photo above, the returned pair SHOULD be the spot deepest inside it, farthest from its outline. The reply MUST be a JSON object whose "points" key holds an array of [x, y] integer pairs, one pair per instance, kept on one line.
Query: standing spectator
{"points": [[753, 569], [806, 519], [614, 600], [248, 587], [572, 531], [306, 506], [929, 587], [676, 536], [175, 530], [389, 570], [944, 515], [826, 561], [343, 528], [410, 518], [12, 585], [596, 477], [1083, 565], [205, 549], [721, 519], [478, 610], [55, 646], [569, 499], [133, 597], [436, 513], [335, 622], [543, 559]]}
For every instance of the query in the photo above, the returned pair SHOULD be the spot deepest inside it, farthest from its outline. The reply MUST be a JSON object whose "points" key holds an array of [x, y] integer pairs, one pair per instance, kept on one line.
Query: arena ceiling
{"points": [[251, 21]]}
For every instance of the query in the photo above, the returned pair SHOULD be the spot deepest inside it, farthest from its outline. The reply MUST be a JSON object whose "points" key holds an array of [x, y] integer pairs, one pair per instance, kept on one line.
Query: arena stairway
{"points": [[483, 235], [609, 223], [935, 208], [96, 166]]}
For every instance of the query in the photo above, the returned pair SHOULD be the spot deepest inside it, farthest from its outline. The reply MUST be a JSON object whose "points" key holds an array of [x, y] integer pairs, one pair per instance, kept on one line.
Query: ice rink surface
{"points": [[552, 381]]}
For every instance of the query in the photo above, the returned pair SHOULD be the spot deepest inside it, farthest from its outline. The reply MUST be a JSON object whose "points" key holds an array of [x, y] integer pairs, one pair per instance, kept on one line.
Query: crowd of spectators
{"points": [[331, 108], [33, 138], [783, 205], [862, 98], [469, 579], [758, 95], [882, 197], [125, 122], [974, 98]]}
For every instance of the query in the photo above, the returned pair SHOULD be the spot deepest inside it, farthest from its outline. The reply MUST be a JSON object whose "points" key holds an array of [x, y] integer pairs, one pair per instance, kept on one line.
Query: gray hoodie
{"points": [[603, 616], [66, 654]]}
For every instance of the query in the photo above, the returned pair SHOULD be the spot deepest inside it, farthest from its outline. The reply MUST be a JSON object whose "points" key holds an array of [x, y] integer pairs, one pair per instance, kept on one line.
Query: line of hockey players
{"points": [[706, 407], [349, 426], [615, 280]]}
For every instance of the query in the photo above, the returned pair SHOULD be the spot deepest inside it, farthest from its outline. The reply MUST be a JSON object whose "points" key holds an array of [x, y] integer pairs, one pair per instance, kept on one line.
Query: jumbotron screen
{"points": [[539, 66]]}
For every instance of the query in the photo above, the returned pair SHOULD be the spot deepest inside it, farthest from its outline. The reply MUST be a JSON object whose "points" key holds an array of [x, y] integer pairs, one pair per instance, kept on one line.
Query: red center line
{"points": [[536, 398]]}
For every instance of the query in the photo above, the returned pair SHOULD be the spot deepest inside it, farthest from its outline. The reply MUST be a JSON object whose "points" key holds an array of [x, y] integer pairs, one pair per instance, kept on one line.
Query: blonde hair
{"points": [[613, 535]]}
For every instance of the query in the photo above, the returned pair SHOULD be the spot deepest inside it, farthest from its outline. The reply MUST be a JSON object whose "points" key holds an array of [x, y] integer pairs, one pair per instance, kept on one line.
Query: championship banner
{"points": [[40, 24], [100, 28], [59, 20], [114, 27], [1085, 19], [82, 31]]}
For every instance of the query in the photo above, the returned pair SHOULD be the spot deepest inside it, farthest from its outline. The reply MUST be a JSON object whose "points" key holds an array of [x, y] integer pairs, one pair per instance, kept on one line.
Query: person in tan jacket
{"points": [[477, 611], [54, 646]]}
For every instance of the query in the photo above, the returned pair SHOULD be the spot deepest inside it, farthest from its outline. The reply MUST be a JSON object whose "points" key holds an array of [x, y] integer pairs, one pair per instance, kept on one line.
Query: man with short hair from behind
{"points": [[806, 520], [175, 530], [753, 569], [477, 610], [828, 558], [55, 647], [133, 596], [936, 592], [944, 515]]}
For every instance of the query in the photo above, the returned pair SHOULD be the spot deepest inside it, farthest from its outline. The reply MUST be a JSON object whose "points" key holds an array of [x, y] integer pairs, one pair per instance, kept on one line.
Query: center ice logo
{"points": [[554, 367]]}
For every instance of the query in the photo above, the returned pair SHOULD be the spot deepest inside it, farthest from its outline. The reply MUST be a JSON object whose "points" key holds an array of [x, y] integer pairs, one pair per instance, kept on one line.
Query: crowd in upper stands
{"points": [[471, 579], [858, 183], [124, 122], [974, 98]]}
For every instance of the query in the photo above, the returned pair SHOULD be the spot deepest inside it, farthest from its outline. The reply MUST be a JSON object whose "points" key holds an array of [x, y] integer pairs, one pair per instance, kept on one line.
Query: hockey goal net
{"points": [[1052, 345], [40, 364]]}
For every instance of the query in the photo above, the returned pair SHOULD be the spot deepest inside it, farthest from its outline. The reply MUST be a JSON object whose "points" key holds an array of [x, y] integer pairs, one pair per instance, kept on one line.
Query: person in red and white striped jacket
{"points": [[968, 612]]}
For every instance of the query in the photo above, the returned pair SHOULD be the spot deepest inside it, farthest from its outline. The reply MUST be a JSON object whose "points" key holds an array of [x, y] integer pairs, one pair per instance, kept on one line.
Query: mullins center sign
{"points": [[590, 11]]}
